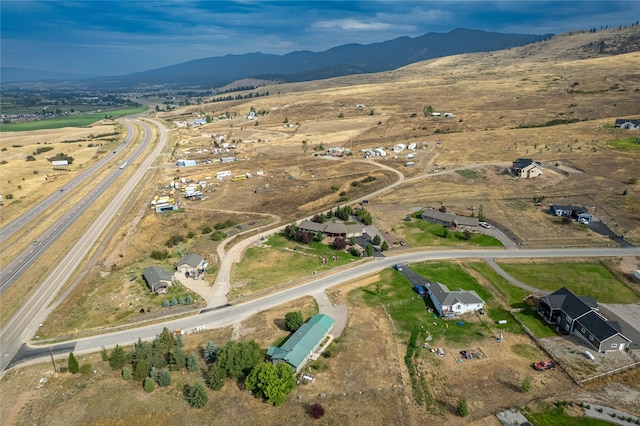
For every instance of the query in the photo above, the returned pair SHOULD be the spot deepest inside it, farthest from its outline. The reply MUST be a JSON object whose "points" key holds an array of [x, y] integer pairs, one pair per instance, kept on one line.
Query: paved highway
{"points": [[27, 258], [21, 221], [25, 322], [228, 315]]}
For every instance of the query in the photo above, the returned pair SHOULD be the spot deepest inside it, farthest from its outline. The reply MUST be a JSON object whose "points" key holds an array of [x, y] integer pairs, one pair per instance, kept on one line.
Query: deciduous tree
{"points": [[293, 320], [271, 382]]}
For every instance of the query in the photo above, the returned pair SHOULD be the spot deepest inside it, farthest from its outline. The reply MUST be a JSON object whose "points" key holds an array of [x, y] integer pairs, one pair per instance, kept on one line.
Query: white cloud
{"points": [[353, 25]]}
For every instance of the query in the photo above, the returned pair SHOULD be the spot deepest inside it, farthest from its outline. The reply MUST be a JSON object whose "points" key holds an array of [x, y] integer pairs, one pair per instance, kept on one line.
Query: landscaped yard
{"points": [[280, 261], [420, 233], [590, 278], [627, 143]]}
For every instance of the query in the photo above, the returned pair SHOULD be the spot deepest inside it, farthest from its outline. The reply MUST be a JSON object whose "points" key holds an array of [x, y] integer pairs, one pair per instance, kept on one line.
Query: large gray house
{"points": [[158, 279], [579, 316]]}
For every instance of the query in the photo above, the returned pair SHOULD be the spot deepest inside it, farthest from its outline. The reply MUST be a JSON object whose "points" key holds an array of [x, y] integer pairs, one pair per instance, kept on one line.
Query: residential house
{"points": [[450, 219], [579, 316], [574, 212], [453, 303], [332, 229], [302, 344], [526, 168], [158, 279], [192, 263], [441, 218], [625, 123]]}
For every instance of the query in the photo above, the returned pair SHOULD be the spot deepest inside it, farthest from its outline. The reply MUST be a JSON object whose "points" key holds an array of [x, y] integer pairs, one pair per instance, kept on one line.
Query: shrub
{"points": [[149, 385], [293, 320], [463, 408], [165, 303], [104, 354], [72, 364], [31, 158], [86, 369], [159, 254], [174, 239], [192, 362], [206, 229], [526, 384], [218, 236], [189, 299], [126, 373], [118, 358], [316, 411]]}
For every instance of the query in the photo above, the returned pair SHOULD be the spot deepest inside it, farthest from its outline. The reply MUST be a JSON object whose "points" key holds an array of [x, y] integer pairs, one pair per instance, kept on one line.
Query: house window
{"points": [[566, 327], [591, 338], [582, 330], [614, 345]]}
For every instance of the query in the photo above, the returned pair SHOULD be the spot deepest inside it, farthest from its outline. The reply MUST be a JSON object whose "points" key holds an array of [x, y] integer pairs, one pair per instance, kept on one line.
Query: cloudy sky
{"points": [[108, 37]]}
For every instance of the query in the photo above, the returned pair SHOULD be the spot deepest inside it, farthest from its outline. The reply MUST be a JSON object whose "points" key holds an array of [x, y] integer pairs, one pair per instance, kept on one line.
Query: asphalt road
{"points": [[11, 272], [228, 315], [24, 324], [21, 221]]}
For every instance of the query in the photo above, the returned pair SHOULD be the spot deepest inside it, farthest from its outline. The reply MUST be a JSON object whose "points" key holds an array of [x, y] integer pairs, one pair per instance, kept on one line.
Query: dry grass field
{"points": [[496, 97]]}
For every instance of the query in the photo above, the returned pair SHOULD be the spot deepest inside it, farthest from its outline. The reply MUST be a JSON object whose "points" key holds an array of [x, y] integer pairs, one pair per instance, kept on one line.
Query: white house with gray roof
{"points": [[191, 263], [450, 304]]}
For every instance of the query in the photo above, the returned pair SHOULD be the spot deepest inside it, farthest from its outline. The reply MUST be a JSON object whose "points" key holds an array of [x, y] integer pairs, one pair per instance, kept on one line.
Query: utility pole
{"points": [[55, 370]]}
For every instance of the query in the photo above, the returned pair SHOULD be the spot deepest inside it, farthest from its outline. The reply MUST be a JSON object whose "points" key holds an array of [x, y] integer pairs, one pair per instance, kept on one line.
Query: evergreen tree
{"points": [[126, 373], [384, 246], [118, 358], [216, 377], [463, 408], [192, 362], [369, 250], [377, 240], [164, 378], [104, 354], [197, 395], [153, 373], [177, 359], [72, 364], [209, 352]]}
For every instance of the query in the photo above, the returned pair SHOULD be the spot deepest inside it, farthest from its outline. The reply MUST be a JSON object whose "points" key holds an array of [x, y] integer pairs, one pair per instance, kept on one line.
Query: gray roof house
{"points": [[450, 304], [450, 219], [579, 316], [190, 263], [297, 350], [332, 229], [158, 279], [526, 168], [625, 123]]}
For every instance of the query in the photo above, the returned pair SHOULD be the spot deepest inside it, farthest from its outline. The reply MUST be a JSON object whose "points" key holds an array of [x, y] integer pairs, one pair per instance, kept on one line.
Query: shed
{"points": [[191, 263]]}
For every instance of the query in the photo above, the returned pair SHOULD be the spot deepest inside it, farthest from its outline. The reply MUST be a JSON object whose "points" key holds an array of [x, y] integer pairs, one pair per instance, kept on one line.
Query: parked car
{"points": [[397, 267], [422, 292], [485, 225], [544, 365]]}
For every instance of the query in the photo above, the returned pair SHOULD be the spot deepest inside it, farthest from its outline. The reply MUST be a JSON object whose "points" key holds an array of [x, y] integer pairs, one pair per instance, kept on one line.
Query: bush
{"points": [[118, 358], [192, 362], [86, 369], [526, 384], [206, 229], [104, 354], [189, 299], [159, 254], [126, 373], [218, 236], [72, 364], [165, 303], [174, 239], [463, 408], [216, 377], [316, 411], [149, 385], [293, 320]]}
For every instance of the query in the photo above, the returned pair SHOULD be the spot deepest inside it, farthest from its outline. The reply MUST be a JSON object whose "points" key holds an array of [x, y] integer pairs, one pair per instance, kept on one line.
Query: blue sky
{"points": [[111, 37]]}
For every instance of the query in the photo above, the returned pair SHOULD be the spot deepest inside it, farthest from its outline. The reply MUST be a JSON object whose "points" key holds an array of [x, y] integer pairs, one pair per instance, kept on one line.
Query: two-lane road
{"points": [[228, 315]]}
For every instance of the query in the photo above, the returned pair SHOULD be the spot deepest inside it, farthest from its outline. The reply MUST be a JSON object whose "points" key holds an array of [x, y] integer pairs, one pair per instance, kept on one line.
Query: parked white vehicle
{"points": [[485, 225]]}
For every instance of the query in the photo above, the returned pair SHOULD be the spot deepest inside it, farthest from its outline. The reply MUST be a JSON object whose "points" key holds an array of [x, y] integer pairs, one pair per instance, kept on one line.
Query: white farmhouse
{"points": [[453, 303]]}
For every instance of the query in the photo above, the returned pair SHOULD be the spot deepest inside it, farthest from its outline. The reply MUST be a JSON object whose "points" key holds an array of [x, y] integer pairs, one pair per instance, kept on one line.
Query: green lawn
{"points": [[78, 120], [420, 233], [513, 294], [283, 261], [409, 311], [556, 416], [627, 143], [470, 174], [591, 279]]}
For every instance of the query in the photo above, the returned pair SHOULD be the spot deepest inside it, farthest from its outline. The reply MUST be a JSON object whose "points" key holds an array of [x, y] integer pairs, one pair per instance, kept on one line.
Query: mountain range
{"points": [[347, 59]]}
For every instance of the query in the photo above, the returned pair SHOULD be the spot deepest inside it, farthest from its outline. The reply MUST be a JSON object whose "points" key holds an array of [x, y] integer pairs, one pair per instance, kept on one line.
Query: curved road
{"points": [[228, 315]]}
